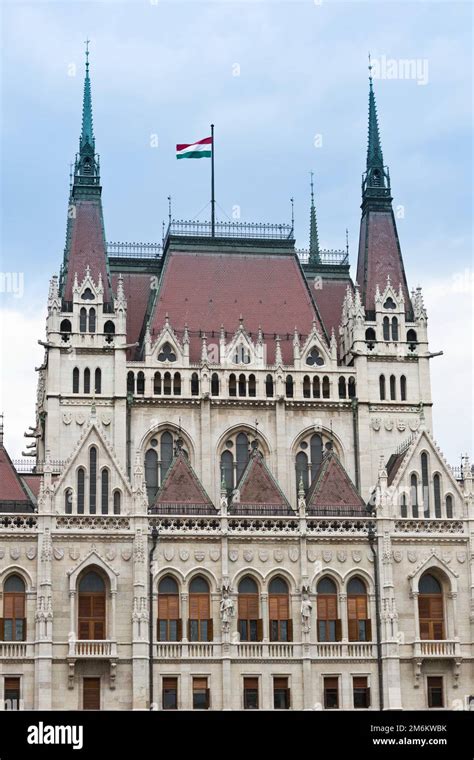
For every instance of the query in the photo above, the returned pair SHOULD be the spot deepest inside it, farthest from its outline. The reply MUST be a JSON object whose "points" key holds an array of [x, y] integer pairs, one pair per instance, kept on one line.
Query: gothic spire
{"points": [[87, 132], [374, 148], [314, 256], [376, 181]]}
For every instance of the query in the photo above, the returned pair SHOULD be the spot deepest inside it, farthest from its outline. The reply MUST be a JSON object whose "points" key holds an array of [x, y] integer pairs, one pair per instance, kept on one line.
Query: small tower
{"points": [[314, 253]]}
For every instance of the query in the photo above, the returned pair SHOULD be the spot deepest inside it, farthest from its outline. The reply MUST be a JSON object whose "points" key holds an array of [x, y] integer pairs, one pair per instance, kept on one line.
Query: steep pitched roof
{"points": [[13, 494], [258, 488], [86, 247], [137, 292], [182, 490], [333, 491], [329, 299], [207, 290]]}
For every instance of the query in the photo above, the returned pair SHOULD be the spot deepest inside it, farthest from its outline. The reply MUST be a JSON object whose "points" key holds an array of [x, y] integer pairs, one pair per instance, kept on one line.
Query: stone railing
{"points": [[264, 650], [437, 648], [251, 525], [15, 650], [92, 522], [94, 649], [179, 525], [344, 527], [429, 526], [18, 522]]}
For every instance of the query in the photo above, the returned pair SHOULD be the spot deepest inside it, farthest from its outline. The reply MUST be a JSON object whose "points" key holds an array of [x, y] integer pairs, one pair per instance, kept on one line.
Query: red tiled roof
{"points": [[206, 290], [333, 488], [87, 247], [393, 466], [33, 482], [137, 290], [258, 486], [329, 300], [11, 488], [379, 256], [181, 486]]}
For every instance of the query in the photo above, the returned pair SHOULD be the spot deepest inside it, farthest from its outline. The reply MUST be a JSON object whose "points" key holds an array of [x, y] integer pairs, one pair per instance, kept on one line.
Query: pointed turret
{"points": [[314, 254], [85, 237], [379, 248]]}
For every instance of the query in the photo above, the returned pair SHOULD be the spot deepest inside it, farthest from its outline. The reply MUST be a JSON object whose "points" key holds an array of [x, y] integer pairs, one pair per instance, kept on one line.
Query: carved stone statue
{"points": [[227, 611], [306, 608]]}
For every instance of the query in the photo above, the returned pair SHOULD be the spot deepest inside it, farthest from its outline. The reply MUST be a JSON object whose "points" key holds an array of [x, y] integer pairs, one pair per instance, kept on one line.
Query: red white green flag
{"points": [[199, 149]]}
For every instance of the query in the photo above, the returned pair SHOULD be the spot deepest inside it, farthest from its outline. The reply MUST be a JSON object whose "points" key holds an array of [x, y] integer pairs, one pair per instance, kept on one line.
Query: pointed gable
{"points": [[13, 495], [333, 492], [258, 491], [182, 491]]}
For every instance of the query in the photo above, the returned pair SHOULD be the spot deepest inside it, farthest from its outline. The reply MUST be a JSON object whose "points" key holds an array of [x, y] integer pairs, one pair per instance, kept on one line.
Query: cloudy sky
{"points": [[286, 85]]}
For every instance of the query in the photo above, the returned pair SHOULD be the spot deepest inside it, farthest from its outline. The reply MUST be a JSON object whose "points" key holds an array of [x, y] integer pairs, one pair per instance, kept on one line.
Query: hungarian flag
{"points": [[199, 149]]}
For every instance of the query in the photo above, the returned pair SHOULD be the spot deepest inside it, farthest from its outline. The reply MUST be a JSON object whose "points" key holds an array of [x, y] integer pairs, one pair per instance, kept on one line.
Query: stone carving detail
{"points": [[376, 424], [342, 555], [111, 554], [233, 555], [14, 552], [356, 555], [461, 557], [278, 555], [215, 554], [184, 554], [199, 555], [412, 555], [168, 553], [2, 553], [227, 610], [106, 419], [80, 418], [397, 555], [312, 555], [58, 553], [306, 608], [293, 553], [248, 555], [47, 548], [126, 554], [67, 418], [31, 552], [74, 553], [139, 547]]}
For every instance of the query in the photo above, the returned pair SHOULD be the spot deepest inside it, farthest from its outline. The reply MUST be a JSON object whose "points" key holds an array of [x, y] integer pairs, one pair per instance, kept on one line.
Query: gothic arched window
{"points": [[425, 484], [449, 506], [75, 380], [157, 384], [98, 381], [386, 328], [329, 626], [414, 495], [141, 383], [81, 476], [83, 320], [233, 465], [309, 457], [360, 628], [151, 474], [252, 386], [316, 387], [92, 320], [281, 628], [68, 501], [87, 380], [14, 609], [91, 623], [232, 385], [249, 624], [403, 388], [382, 387], [167, 383], [351, 385], [289, 386], [177, 384], [437, 494], [342, 387], [169, 623], [394, 328], [195, 384], [242, 385], [326, 387], [104, 491], [130, 382], [92, 480], [214, 384], [269, 386], [393, 388], [430, 608], [117, 500], [199, 622]]}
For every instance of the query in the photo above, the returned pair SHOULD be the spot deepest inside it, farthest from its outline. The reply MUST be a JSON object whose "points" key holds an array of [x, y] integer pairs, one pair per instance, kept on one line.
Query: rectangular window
{"points": [[281, 694], [200, 694], [361, 692], [250, 693], [12, 693], [170, 693], [435, 691], [91, 694], [331, 692]]}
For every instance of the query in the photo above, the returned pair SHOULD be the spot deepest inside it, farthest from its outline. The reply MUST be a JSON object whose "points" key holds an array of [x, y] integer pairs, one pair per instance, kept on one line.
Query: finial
{"points": [[314, 255], [292, 201], [370, 69], [1, 429], [86, 43], [169, 210], [347, 242]]}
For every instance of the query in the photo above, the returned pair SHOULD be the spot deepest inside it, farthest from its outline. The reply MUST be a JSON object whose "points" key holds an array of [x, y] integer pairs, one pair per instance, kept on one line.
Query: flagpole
{"points": [[213, 200]]}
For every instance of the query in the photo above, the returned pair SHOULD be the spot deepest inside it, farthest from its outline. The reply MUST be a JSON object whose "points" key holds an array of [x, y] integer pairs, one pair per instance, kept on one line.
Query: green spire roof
{"points": [[374, 148], [314, 255], [87, 133]]}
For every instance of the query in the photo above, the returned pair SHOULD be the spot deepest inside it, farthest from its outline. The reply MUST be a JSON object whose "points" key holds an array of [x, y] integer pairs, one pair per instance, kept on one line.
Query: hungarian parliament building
{"points": [[231, 497]]}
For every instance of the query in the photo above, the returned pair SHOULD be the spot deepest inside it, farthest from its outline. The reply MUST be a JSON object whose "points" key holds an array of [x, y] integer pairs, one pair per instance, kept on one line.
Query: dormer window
{"points": [[166, 354], [87, 295], [241, 355], [314, 358]]}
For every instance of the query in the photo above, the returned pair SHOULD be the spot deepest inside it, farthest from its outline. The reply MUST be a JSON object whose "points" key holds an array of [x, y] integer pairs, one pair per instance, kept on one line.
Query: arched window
{"points": [[403, 388], [91, 624], [281, 628], [437, 495], [249, 623], [169, 622], [289, 386], [316, 450], [81, 477], [329, 626], [227, 469], [425, 484], [151, 474], [242, 452], [141, 383], [370, 337], [195, 384], [167, 353], [314, 358], [92, 480], [14, 616], [269, 386], [302, 473], [430, 608], [167, 383], [92, 320], [360, 628], [117, 502], [449, 505], [306, 387], [65, 329], [394, 328], [414, 495], [386, 328], [316, 387], [68, 501], [393, 388], [242, 385], [412, 340], [326, 387], [342, 387], [177, 384], [83, 320], [87, 380], [166, 453], [241, 355], [199, 623], [252, 386], [75, 380], [232, 466], [214, 384], [109, 330], [232, 385], [98, 381], [157, 384], [403, 505], [382, 387], [352, 387], [104, 494], [130, 382]]}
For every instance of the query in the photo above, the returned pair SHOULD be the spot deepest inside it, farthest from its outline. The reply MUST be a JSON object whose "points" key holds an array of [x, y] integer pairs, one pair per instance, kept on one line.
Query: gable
{"points": [[257, 486], [11, 488], [407, 461], [333, 489], [181, 487]]}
